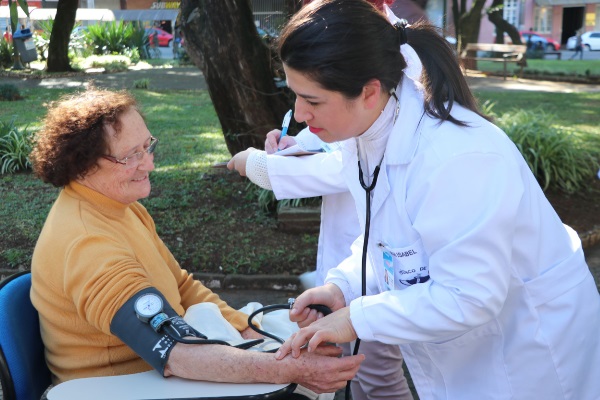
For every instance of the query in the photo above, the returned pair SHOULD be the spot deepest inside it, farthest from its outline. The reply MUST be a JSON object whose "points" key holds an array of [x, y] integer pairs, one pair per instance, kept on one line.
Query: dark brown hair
{"points": [[343, 44], [73, 136]]}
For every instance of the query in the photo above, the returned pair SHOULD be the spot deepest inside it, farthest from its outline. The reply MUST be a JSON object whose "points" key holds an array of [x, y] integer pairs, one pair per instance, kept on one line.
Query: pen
{"points": [[286, 124]]}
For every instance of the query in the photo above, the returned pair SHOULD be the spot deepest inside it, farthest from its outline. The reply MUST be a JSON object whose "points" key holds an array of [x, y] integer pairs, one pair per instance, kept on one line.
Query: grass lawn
{"points": [[579, 111], [559, 68], [209, 218]]}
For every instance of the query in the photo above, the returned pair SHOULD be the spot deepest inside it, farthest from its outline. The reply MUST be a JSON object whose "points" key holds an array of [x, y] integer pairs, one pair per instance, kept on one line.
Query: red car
{"points": [[538, 40], [165, 39]]}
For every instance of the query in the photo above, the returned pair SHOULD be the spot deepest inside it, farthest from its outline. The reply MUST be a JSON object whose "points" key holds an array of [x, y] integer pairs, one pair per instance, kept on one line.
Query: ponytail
{"points": [[343, 44], [442, 76]]}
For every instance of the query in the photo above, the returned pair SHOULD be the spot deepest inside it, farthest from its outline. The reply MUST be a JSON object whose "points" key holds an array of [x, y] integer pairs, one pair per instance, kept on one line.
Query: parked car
{"points": [[539, 42], [79, 32], [165, 39], [589, 40]]}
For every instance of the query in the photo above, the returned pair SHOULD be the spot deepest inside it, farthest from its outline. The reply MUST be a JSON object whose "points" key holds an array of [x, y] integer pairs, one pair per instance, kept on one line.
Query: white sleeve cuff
{"points": [[359, 321], [256, 169]]}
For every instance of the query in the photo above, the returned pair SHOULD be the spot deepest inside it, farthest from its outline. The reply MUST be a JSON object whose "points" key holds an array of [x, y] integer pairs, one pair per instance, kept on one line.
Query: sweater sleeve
{"points": [[191, 290], [101, 281]]}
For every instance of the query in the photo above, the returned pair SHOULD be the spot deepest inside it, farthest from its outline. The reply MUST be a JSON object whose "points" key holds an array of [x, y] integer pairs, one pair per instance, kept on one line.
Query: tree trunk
{"points": [[470, 22], [466, 26], [58, 48], [221, 39], [502, 25]]}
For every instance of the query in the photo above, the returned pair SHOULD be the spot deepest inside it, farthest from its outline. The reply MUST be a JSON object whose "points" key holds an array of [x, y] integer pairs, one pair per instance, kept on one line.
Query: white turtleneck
{"points": [[371, 144]]}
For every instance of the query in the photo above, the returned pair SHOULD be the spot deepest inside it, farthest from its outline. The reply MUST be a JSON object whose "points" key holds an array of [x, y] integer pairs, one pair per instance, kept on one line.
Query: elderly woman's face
{"points": [[124, 183]]}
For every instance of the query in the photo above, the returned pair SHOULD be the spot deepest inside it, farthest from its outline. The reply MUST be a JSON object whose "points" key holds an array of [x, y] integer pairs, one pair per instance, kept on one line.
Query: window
{"points": [[543, 19], [511, 11]]}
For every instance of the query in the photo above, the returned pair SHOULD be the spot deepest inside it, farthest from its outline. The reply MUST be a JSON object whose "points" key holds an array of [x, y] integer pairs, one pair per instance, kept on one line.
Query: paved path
{"points": [[191, 78]]}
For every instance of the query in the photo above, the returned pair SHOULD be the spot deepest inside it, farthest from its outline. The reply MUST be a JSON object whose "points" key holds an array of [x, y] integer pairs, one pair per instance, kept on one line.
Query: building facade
{"points": [[556, 19]]}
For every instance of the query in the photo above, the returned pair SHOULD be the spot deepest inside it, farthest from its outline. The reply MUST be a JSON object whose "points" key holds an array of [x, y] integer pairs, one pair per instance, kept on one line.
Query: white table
{"points": [[151, 386]]}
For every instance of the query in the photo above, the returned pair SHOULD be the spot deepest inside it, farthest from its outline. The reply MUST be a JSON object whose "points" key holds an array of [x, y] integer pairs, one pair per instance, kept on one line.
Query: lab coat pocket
{"points": [[473, 360], [404, 266]]}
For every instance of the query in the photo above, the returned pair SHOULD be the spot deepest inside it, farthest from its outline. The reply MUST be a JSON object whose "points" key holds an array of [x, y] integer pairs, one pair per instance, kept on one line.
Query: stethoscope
{"points": [[368, 189]]}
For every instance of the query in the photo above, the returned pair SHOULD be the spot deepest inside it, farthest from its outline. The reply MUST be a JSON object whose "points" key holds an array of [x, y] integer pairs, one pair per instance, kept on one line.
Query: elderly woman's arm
{"points": [[321, 371]]}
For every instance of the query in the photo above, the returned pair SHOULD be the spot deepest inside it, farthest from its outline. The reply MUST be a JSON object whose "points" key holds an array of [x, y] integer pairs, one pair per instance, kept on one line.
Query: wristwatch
{"points": [[148, 306]]}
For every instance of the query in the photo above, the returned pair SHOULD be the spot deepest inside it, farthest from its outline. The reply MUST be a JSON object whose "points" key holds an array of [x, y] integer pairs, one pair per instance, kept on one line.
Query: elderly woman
{"points": [[99, 262]]}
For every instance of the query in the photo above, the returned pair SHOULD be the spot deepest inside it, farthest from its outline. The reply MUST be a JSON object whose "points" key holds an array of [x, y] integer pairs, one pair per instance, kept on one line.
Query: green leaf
{"points": [[14, 15], [24, 6]]}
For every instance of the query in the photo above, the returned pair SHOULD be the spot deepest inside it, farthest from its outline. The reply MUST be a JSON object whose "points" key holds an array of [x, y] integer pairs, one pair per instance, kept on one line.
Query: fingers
{"points": [[239, 160], [309, 316], [272, 141], [273, 144], [329, 350], [300, 311], [333, 374], [250, 333], [286, 141]]}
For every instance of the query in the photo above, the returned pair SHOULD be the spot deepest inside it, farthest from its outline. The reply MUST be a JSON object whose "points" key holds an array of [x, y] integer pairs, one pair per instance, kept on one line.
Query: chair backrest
{"points": [[23, 370]]}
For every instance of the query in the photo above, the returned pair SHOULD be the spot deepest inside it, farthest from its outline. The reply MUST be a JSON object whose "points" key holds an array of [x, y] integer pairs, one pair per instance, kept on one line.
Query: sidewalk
{"points": [[191, 78]]}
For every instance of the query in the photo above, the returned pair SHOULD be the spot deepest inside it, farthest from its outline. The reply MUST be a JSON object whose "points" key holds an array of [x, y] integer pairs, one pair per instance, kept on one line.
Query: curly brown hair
{"points": [[73, 136]]}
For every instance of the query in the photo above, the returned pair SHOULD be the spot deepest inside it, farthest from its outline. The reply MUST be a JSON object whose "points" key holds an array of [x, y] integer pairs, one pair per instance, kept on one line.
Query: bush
{"points": [[109, 63], [141, 83], [41, 37], [6, 54], [116, 37], [268, 203], [15, 146], [556, 155], [9, 92]]}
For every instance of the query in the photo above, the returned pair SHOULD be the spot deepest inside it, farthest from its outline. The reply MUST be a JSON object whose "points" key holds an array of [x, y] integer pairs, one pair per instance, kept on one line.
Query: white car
{"points": [[590, 40]]}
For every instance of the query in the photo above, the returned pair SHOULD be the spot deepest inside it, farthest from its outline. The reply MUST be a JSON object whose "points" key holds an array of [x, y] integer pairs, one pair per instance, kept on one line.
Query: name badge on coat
{"points": [[404, 266]]}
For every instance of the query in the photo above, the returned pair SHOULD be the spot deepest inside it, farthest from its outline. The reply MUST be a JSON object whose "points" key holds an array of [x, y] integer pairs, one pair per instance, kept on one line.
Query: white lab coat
{"points": [[313, 176], [381, 375], [492, 298]]}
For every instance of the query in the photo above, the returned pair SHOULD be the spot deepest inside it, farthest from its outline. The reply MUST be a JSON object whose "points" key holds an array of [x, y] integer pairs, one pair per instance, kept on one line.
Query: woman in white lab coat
{"points": [[381, 375], [467, 265]]}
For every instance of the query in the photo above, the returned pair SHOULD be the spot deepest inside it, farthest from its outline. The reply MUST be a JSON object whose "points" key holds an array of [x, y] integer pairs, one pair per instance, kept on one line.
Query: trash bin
{"points": [[25, 44]]}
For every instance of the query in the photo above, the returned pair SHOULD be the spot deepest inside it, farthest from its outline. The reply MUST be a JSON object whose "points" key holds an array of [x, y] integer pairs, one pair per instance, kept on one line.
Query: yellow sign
{"points": [[590, 19], [161, 5]]}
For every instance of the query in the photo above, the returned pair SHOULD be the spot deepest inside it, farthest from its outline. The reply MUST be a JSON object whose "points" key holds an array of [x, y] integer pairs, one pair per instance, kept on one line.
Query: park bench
{"points": [[504, 53], [558, 54]]}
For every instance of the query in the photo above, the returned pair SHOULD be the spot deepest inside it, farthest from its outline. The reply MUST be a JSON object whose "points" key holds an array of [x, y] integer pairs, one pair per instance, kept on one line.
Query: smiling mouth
{"points": [[143, 178]]}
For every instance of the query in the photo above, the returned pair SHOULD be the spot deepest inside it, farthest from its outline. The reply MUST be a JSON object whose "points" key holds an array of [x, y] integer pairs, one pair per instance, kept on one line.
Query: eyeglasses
{"points": [[133, 160]]}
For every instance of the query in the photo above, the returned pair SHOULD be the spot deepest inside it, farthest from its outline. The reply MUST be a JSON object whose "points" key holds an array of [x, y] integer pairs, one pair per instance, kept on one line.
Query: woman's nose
{"points": [[300, 112]]}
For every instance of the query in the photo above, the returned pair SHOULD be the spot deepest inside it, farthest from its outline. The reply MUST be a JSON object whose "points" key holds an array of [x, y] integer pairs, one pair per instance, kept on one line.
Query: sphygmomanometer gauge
{"points": [[148, 306]]}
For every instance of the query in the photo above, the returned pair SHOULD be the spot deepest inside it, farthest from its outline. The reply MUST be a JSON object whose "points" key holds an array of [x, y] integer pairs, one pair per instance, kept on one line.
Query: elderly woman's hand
{"points": [[250, 333]]}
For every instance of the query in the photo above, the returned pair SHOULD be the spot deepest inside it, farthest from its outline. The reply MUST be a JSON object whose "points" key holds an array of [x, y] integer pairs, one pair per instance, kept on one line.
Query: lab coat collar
{"points": [[404, 139], [400, 149], [350, 173]]}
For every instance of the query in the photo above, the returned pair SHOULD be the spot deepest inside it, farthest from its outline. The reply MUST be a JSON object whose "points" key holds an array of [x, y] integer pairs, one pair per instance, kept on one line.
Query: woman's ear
{"points": [[371, 94]]}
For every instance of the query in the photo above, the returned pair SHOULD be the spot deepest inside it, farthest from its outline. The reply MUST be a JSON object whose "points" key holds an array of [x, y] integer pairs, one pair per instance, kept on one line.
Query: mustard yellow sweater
{"points": [[93, 254]]}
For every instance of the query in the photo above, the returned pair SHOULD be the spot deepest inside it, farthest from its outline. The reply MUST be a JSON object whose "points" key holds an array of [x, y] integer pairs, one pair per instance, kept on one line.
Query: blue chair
{"points": [[23, 370]]}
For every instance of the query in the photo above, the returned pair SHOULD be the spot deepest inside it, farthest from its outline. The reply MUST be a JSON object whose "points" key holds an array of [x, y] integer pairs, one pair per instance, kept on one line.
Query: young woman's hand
{"points": [[334, 328], [238, 161], [273, 144]]}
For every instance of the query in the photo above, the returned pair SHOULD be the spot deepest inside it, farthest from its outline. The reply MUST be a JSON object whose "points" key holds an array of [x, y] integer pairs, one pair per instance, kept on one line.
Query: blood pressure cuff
{"points": [[153, 347]]}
